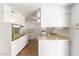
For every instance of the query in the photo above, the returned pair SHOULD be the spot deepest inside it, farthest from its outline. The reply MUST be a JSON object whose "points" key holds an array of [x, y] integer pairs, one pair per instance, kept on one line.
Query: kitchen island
{"points": [[54, 45]]}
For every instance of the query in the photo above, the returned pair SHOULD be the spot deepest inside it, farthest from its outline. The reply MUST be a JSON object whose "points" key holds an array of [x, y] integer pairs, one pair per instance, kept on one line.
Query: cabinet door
{"points": [[54, 48], [9, 19], [7, 9], [15, 45], [13, 20], [54, 20], [21, 22], [47, 48], [54, 17], [63, 48], [10, 11], [9, 15], [75, 15]]}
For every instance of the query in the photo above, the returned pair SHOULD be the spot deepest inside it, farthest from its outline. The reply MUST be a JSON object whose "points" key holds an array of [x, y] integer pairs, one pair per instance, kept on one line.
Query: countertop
{"points": [[54, 37]]}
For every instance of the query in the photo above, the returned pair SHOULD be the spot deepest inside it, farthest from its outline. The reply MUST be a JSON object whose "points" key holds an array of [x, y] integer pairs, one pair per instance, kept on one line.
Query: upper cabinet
{"points": [[55, 16], [13, 17], [75, 16]]}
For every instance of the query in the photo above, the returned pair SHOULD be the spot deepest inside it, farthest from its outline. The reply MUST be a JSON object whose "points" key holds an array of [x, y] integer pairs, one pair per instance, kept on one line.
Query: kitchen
{"points": [[39, 29]]}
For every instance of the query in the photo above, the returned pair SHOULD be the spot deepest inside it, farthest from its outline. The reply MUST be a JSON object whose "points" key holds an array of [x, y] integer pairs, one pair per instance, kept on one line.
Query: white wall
{"points": [[75, 32]]}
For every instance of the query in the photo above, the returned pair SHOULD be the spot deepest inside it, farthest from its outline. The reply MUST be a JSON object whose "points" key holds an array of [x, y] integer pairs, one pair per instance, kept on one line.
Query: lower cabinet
{"points": [[54, 48], [18, 45]]}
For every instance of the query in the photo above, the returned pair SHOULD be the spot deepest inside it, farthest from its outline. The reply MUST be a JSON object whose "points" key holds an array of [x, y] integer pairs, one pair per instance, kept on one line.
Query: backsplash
{"points": [[55, 31]]}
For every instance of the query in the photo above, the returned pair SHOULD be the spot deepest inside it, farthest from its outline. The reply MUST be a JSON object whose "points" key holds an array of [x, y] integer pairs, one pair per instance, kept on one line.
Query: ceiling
{"points": [[24, 8], [27, 8]]}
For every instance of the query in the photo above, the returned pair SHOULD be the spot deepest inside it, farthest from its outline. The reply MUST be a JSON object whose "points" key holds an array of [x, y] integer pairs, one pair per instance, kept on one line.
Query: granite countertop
{"points": [[54, 37]]}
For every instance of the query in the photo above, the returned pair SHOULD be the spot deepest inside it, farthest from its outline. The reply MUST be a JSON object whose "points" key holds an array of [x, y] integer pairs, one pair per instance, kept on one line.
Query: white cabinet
{"points": [[18, 45], [74, 15], [47, 48], [55, 16], [74, 31], [5, 35], [54, 47], [5, 38], [75, 42], [13, 17], [9, 19]]}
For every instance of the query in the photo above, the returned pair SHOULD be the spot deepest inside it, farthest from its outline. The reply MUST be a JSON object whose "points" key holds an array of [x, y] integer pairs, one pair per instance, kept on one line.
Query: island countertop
{"points": [[54, 37]]}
